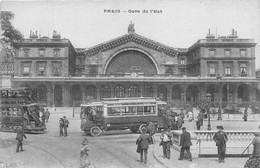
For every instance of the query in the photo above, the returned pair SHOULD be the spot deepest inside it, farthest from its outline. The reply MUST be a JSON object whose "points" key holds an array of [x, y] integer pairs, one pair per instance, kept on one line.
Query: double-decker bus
{"points": [[16, 108], [121, 113]]}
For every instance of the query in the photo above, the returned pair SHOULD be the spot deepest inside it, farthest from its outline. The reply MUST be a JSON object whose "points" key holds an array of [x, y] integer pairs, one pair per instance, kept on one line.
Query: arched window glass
{"points": [[105, 92], [119, 91], [133, 91], [148, 91]]}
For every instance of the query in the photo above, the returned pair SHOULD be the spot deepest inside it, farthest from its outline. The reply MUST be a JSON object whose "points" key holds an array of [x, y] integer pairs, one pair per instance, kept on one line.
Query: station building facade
{"points": [[135, 66]]}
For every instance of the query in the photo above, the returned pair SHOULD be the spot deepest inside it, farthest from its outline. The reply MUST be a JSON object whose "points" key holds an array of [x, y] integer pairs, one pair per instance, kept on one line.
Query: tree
{"points": [[10, 34]]}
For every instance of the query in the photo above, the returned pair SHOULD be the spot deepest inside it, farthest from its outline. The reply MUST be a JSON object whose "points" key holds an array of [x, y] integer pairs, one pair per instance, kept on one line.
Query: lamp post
{"points": [[208, 109], [219, 78]]}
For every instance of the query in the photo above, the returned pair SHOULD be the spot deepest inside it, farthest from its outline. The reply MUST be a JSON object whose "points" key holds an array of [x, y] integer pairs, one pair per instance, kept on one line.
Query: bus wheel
{"points": [[95, 131], [141, 127]]}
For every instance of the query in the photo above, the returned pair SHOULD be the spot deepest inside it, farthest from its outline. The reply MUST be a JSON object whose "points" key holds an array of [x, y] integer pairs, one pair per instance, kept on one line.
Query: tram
{"points": [[16, 108], [121, 113]]}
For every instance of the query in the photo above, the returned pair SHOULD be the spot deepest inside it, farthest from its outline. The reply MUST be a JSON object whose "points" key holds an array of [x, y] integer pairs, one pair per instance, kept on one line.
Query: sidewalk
{"points": [[173, 162]]}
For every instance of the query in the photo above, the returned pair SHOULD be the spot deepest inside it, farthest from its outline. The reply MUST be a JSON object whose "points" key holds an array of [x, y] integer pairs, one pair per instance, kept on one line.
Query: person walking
{"points": [[199, 122], [190, 114], [221, 138], [43, 117], [245, 114], [254, 160], [84, 156], [65, 125], [47, 115], [179, 122], [185, 144], [19, 137], [61, 124], [144, 140], [166, 143], [151, 130]]}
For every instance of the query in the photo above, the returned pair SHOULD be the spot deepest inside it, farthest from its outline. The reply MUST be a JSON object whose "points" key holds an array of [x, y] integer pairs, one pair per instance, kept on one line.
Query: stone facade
{"points": [[135, 66]]}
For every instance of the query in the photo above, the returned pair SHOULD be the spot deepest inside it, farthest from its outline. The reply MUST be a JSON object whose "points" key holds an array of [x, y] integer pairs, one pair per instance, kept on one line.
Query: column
{"points": [[183, 92], [50, 94], [220, 94], [169, 94], [235, 93], [98, 92], [66, 95], [202, 92], [155, 89], [83, 96]]}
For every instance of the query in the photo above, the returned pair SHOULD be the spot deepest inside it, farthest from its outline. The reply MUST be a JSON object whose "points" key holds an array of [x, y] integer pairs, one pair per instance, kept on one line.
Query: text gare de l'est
{"points": [[132, 11]]}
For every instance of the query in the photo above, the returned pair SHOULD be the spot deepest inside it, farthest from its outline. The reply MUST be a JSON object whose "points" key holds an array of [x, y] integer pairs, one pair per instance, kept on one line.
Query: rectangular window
{"points": [[41, 52], [243, 71], [56, 52], [212, 52], [41, 69], [26, 52], [242, 53], [26, 69], [227, 53], [212, 70], [182, 61], [228, 71], [56, 69]]}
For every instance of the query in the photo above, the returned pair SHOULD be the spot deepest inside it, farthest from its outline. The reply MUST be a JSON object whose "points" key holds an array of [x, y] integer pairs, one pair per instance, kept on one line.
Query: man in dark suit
{"points": [[221, 138], [185, 144], [19, 137], [144, 140], [65, 125]]}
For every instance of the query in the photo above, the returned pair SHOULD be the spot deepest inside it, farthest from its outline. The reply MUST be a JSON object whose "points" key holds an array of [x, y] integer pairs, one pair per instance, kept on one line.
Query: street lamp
{"points": [[208, 109], [219, 78]]}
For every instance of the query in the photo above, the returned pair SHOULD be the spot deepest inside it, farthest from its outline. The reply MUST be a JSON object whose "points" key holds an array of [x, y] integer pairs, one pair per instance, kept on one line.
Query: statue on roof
{"points": [[131, 27]]}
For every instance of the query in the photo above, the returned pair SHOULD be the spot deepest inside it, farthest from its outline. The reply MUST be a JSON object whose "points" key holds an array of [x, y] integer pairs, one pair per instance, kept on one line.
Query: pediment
{"points": [[131, 37]]}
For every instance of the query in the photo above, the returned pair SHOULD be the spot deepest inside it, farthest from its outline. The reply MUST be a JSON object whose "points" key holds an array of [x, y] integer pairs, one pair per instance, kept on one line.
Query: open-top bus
{"points": [[121, 113], [16, 108]]}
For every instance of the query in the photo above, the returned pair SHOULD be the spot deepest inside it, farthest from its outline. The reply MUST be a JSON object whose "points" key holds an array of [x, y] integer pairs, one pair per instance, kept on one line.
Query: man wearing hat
{"points": [[19, 137], [65, 125], [166, 143], [144, 140], [185, 144], [221, 138]]}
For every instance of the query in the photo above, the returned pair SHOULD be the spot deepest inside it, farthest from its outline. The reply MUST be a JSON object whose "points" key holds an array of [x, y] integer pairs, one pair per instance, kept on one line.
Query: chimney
{"points": [[210, 36]]}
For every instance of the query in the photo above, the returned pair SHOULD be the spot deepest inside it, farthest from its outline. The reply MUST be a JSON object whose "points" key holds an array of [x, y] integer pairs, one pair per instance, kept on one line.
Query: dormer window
{"points": [[41, 52]]}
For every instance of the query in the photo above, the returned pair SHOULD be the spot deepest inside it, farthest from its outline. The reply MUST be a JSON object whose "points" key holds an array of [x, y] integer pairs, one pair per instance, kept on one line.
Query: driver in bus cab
{"points": [[93, 113]]}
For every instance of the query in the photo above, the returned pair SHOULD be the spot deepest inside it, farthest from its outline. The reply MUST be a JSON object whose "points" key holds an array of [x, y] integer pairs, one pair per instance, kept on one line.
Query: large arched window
{"points": [[105, 91], [91, 92], [131, 61], [176, 92], [119, 91], [162, 93], [133, 91], [148, 91]]}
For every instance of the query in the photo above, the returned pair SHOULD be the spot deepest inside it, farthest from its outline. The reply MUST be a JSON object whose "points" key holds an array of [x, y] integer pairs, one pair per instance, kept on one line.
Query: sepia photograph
{"points": [[130, 84]]}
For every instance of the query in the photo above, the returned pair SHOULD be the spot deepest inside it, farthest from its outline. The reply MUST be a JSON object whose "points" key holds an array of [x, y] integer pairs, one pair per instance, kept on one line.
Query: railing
{"points": [[237, 142]]}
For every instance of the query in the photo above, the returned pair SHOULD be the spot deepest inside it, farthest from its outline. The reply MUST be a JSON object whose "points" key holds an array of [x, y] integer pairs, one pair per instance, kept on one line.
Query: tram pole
{"points": [[73, 110]]}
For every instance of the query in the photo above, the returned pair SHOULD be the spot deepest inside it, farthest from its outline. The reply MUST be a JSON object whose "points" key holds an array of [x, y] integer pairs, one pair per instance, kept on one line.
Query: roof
{"points": [[133, 37], [14, 89], [123, 100]]}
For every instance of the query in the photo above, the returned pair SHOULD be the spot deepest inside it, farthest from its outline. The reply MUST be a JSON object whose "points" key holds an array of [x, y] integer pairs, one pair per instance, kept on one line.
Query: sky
{"points": [[177, 23]]}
